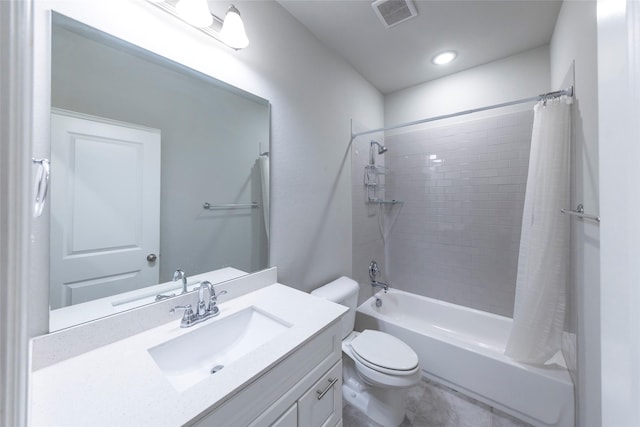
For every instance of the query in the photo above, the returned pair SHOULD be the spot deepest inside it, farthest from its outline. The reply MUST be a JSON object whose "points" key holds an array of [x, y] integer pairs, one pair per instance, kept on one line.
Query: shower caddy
{"points": [[374, 181]]}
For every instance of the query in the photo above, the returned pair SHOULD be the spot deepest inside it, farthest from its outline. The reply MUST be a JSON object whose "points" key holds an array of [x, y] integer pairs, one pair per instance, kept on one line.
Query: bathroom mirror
{"points": [[154, 167]]}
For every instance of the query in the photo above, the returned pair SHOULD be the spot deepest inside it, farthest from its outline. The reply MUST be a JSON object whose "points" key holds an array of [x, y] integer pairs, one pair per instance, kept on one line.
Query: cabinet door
{"points": [[289, 418], [321, 405]]}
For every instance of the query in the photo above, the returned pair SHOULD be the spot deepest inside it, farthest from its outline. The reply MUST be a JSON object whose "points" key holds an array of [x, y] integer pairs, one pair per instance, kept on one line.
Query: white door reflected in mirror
{"points": [[105, 210]]}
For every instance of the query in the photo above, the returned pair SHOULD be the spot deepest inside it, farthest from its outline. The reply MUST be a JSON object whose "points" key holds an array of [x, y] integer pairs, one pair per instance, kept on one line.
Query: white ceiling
{"points": [[395, 58]]}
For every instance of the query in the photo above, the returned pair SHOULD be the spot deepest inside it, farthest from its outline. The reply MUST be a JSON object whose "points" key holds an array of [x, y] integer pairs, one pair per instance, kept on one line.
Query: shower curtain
{"points": [[538, 318]]}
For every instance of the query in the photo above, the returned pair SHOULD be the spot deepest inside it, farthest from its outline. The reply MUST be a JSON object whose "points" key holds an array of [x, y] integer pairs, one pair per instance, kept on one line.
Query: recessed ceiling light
{"points": [[444, 57]]}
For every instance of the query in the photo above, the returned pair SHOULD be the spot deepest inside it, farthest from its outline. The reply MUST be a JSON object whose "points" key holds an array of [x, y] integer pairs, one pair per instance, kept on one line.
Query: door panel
{"points": [[97, 195]]}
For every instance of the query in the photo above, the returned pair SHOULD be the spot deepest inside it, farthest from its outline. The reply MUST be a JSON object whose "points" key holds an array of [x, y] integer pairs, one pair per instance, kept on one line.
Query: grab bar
{"points": [[384, 202], [210, 206], [579, 212]]}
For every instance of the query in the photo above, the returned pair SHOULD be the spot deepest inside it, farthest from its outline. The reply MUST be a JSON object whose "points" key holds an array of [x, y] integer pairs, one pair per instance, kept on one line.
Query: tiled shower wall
{"points": [[456, 235]]}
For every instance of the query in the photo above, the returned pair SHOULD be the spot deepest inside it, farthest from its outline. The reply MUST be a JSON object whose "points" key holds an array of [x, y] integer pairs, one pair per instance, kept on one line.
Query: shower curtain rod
{"points": [[544, 96]]}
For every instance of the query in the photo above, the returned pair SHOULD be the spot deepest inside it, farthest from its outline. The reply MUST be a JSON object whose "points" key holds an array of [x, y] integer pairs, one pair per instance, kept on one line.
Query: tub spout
{"points": [[376, 284]]}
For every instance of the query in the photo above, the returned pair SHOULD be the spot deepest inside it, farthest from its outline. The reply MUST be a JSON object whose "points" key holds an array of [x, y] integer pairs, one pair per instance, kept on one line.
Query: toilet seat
{"points": [[384, 353]]}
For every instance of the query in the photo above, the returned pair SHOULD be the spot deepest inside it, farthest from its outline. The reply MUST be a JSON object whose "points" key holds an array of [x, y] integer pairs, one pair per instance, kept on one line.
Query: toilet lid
{"points": [[384, 351]]}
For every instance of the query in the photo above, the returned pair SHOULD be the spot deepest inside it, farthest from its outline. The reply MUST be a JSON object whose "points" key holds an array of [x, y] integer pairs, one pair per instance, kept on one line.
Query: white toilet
{"points": [[376, 366]]}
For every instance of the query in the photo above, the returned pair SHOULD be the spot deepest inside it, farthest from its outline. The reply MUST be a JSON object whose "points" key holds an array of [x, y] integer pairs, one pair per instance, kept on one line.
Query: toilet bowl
{"points": [[377, 367], [382, 360]]}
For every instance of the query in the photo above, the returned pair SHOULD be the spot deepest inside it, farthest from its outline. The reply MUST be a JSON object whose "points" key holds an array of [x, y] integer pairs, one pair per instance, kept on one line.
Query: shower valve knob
{"points": [[373, 270]]}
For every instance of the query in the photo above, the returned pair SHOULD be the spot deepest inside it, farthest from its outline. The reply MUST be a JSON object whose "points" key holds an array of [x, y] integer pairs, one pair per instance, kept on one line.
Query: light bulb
{"points": [[195, 12], [232, 33]]}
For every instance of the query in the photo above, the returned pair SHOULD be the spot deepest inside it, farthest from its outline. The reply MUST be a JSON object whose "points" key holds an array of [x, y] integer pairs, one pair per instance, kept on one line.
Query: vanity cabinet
{"points": [[304, 389]]}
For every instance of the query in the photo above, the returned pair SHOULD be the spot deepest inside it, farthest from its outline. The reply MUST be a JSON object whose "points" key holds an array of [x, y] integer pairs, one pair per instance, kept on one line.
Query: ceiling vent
{"points": [[393, 12]]}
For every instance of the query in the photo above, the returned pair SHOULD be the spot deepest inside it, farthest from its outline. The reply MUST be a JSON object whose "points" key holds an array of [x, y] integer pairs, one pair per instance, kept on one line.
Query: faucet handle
{"points": [[188, 315], [374, 270], [186, 308], [160, 297], [214, 295], [213, 302]]}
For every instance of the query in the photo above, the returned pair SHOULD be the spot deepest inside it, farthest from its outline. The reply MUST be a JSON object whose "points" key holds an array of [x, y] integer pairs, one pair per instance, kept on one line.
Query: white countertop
{"points": [[120, 384]]}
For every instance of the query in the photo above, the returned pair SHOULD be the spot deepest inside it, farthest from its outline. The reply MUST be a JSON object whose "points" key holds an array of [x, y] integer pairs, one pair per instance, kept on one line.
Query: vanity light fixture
{"points": [[444, 57], [195, 12], [229, 31]]}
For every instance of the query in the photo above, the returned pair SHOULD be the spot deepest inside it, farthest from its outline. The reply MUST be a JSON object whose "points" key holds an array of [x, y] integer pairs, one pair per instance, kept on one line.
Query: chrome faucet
{"points": [[374, 271], [205, 308], [382, 285], [177, 275], [180, 275]]}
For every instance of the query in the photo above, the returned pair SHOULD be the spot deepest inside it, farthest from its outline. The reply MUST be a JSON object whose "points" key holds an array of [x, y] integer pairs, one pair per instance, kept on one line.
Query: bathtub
{"points": [[462, 348]]}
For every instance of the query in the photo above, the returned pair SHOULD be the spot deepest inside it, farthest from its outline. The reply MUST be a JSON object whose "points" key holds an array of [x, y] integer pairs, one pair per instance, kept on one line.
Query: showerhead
{"points": [[381, 148]]}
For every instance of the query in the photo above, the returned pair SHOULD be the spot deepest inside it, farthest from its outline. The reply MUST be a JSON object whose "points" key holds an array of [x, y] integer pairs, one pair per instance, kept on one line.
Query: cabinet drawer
{"points": [[321, 405], [289, 418]]}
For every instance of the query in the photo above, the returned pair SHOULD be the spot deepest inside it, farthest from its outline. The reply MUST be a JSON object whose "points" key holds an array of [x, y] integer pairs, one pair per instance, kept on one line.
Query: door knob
{"points": [[152, 257]]}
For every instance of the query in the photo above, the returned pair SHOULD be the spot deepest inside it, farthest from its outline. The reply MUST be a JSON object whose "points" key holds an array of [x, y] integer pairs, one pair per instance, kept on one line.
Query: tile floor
{"points": [[432, 405]]}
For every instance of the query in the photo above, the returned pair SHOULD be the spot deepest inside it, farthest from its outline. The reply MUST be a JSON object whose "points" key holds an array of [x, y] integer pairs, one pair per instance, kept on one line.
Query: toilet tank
{"points": [[342, 291]]}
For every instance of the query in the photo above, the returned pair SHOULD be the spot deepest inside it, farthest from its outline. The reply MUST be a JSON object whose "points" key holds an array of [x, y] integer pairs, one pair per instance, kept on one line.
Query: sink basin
{"points": [[216, 343]]}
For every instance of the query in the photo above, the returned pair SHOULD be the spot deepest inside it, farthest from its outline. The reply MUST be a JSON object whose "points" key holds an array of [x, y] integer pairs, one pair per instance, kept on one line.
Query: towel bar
{"points": [[579, 212]]}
